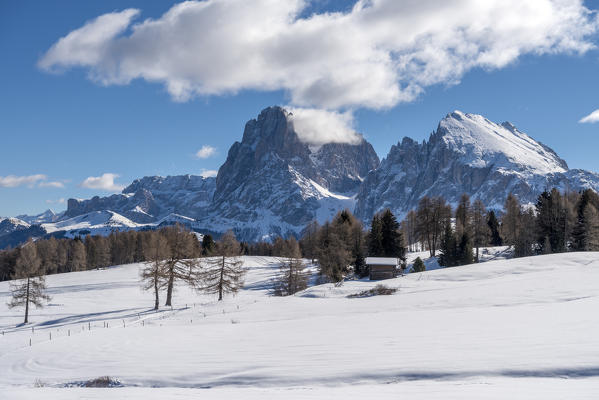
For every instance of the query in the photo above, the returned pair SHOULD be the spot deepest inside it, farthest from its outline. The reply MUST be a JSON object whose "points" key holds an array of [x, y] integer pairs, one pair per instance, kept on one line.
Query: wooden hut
{"points": [[382, 267]]}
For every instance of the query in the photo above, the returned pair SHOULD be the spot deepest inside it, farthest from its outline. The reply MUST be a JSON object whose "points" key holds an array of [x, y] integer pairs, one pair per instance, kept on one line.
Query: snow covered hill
{"points": [[520, 329]]}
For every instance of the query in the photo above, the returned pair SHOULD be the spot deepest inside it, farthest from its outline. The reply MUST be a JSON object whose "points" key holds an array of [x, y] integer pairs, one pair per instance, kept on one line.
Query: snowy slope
{"points": [[9, 225], [483, 143], [45, 217], [519, 329], [94, 223]]}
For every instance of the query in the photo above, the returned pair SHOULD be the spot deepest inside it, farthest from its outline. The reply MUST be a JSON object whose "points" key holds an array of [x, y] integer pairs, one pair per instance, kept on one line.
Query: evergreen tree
{"points": [[392, 241], [591, 217], [375, 237], [448, 249], [464, 254], [360, 267], [418, 265], [551, 222], [208, 245], [493, 225], [584, 230]]}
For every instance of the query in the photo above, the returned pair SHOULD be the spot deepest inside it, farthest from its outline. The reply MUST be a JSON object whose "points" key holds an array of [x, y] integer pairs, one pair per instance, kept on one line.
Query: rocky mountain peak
{"points": [[467, 154], [484, 143], [271, 138]]}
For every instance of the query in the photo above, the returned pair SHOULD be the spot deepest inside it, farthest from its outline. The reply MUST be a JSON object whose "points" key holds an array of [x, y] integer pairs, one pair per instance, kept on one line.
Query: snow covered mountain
{"points": [[45, 217], [93, 223], [272, 183], [9, 225], [152, 198], [467, 154]]}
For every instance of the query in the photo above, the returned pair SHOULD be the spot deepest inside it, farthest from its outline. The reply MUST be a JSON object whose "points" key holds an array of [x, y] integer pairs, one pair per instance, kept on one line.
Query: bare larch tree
{"points": [[181, 263], [29, 285], [224, 271], [153, 274], [293, 277]]}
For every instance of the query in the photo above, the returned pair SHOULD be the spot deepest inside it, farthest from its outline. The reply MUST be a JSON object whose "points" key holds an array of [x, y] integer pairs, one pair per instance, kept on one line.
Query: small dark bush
{"points": [[102, 382], [378, 290], [418, 265]]}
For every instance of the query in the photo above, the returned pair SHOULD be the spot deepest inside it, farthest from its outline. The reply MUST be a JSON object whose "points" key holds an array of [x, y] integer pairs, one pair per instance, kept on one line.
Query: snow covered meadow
{"points": [[518, 328]]}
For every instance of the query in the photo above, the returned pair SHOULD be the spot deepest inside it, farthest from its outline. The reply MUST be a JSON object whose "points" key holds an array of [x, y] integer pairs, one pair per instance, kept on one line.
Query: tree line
{"points": [[171, 255]]}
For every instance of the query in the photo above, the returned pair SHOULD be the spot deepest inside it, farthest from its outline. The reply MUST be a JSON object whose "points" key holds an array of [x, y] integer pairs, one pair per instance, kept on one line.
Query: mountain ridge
{"points": [[272, 183]]}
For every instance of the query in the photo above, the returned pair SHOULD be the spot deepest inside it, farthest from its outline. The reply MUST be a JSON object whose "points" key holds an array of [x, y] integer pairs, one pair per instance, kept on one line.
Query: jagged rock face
{"points": [[151, 198], [273, 182], [467, 154], [337, 167]]}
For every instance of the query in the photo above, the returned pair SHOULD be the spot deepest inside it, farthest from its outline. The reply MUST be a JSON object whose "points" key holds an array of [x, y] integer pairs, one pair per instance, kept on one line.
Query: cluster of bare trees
{"points": [[293, 276], [168, 263], [171, 256], [90, 252]]}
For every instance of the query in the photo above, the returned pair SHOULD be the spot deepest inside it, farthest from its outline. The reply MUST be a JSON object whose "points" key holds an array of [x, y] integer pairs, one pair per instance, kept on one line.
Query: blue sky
{"points": [[59, 123]]}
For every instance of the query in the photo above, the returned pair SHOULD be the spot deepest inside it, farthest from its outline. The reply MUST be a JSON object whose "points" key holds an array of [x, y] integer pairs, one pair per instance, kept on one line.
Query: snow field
{"points": [[520, 328]]}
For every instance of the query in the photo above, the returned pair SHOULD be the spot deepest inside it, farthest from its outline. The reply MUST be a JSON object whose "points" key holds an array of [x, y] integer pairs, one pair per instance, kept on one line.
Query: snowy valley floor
{"points": [[519, 329]]}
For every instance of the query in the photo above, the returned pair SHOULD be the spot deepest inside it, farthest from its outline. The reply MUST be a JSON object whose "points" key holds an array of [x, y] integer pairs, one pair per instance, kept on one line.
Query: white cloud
{"points": [[14, 181], [318, 127], [59, 201], [380, 53], [52, 184], [208, 173], [104, 182], [591, 118], [206, 151], [88, 44]]}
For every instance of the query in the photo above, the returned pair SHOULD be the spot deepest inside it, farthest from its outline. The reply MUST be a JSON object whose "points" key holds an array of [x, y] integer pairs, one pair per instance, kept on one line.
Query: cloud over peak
{"points": [[377, 55], [317, 127], [104, 182]]}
